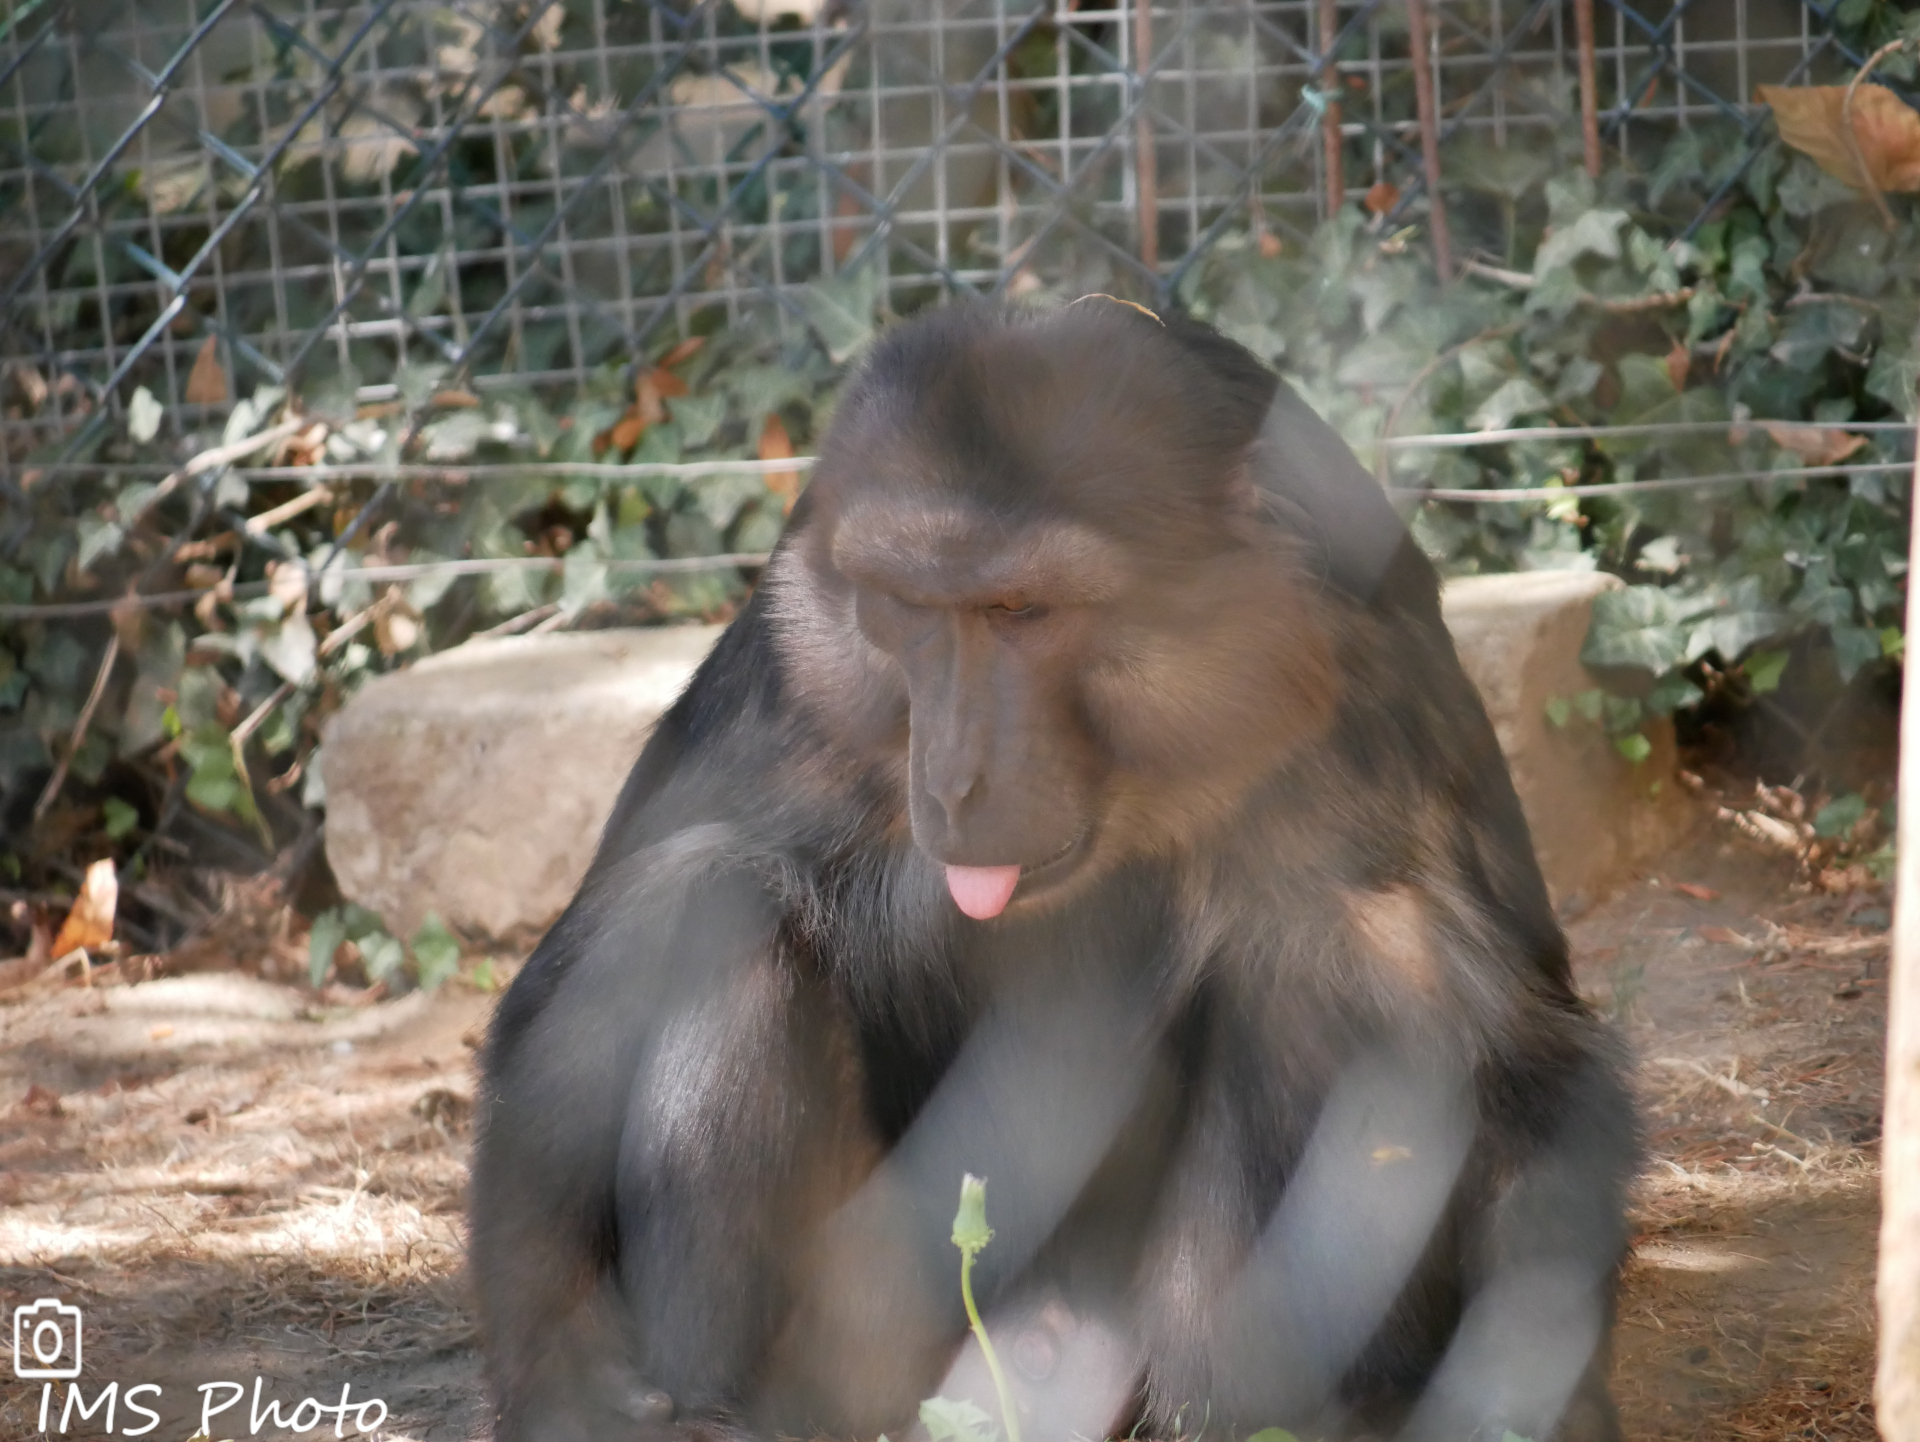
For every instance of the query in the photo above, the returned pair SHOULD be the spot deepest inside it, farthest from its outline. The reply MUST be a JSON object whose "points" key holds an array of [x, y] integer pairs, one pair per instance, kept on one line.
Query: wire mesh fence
{"points": [[203, 196]]}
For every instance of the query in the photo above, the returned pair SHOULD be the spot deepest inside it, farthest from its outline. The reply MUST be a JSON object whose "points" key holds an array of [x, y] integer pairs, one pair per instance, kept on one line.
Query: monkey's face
{"points": [[1029, 588], [988, 636]]}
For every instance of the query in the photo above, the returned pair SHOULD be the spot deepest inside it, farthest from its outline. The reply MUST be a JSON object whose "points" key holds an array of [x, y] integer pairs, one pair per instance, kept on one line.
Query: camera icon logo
{"points": [[46, 1341]]}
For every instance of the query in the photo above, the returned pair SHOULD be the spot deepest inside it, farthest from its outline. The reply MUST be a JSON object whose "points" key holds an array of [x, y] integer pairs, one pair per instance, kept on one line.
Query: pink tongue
{"points": [[982, 891]]}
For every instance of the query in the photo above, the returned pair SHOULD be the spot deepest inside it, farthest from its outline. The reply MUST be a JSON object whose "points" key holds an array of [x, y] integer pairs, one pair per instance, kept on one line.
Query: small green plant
{"points": [[434, 950], [971, 1235]]}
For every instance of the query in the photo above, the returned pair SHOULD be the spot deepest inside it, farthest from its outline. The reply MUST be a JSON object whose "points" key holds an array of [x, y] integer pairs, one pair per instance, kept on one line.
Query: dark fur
{"points": [[728, 1102]]}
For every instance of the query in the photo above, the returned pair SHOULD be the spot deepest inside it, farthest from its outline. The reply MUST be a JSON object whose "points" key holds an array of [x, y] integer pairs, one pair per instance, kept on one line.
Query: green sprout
{"points": [[970, 1234]]}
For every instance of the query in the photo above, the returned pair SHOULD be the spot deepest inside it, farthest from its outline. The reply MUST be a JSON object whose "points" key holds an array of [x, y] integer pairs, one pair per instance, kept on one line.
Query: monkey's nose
{"points": [[953, 792]]}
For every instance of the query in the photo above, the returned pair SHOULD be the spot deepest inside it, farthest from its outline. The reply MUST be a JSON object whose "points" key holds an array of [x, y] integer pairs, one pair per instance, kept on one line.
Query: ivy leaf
{"points": [[382, 954], [1642, 626], [1597, 232], [841, 311], [98, 537], [951, 1419], [1854, 647], [1763, 670], [436, 953], [120, 818], [143, 417], [1840, 815], [1516, 397], [289, 648], [329, 930], [1672, 692]]}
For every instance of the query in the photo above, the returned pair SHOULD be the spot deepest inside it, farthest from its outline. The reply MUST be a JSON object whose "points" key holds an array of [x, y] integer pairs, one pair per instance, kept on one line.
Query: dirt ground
{"points": [[233, 1182]]}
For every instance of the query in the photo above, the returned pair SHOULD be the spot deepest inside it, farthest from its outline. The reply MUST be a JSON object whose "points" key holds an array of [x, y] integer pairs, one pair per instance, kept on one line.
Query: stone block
{"points": [[1593, 813], [475, 784]]}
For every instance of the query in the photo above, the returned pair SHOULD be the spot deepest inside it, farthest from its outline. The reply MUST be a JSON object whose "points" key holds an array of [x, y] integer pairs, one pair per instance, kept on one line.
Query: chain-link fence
{"points": [[201, 196]]}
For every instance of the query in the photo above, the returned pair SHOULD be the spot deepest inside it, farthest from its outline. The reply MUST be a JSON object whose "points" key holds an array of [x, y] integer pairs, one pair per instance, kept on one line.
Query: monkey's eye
{"points": [[1006, 611]]}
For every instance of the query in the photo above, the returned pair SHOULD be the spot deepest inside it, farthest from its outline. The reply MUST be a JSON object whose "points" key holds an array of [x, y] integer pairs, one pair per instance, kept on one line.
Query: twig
{"points": [[220, 455], [1517, 279], [1589, 90], [1329, 80], [1422, 376], [354, 625], [259, 525], [1853, 141], [260, 713], [1146, 159], [59, 777], [516, 624], [1643, 302], [1417, 42]]}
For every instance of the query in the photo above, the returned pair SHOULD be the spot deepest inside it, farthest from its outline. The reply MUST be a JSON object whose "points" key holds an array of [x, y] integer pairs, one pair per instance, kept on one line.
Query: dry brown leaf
{"points": [[777, 445], [685, 351], [90, 923], [395, 630], [1382, 197], [1720, 935], [1678, 361], [625, 434], [1696, 891], [1816, 445], [1885, 127], [207, 386], [287, 584]]}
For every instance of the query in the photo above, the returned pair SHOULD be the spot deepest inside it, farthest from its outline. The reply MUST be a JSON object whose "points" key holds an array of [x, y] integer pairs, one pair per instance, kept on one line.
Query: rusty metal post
{"points": [[1589, 90], [1146, 166], [1330, 117], [1419, 43]]}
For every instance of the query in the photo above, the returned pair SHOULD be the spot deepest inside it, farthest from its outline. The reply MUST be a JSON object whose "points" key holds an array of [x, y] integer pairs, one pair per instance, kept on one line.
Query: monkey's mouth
{"points": [[983, 892]]}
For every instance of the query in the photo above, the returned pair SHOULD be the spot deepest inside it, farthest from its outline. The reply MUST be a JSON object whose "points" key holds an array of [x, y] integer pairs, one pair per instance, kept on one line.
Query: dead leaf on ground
{"points": [[1720, 935], [777, 445], [207, 385], [1885, 127], [1696, 891], [90, 923], [1816, 445], [41, 1101]]}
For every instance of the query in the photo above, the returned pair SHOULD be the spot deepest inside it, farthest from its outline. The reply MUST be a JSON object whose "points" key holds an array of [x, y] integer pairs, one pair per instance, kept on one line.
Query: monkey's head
{"points": [[1032, 585]]}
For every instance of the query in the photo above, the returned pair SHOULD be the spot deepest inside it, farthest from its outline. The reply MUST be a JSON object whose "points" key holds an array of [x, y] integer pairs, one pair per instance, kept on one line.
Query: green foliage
{"points": [[949, 1419], [222, 701], [436, 953], [1791, 304], [433, 951]]}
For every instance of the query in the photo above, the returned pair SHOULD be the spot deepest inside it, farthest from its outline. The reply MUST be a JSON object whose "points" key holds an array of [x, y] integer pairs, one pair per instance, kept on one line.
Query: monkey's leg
{"points": [[772, 1277], [1530, 1355]]}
